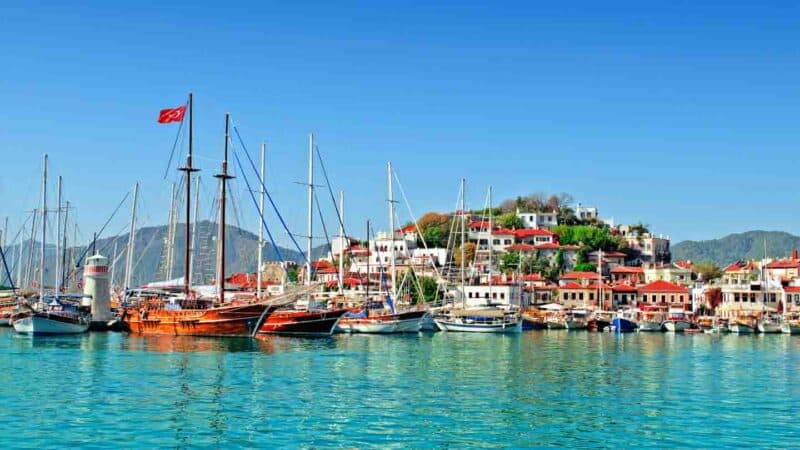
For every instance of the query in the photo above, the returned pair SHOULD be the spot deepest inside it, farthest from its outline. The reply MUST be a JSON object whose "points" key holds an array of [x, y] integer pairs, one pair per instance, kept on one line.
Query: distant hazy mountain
{"points": [[748, 245], [150, 254]]}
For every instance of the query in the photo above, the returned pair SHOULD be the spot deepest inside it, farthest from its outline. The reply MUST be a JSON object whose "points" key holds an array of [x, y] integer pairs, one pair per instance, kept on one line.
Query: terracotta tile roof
{"points": [[663, 286], [784, 264], [627, 269], [521, 248], [597, 286], [573, 285], [408, 229], [685, 265], [614, 255], [580, 276], [792, 289], [503, 232], [532, 277], [479, 224], [523, 233], [739, 266], [321, 264], [623, 288]]}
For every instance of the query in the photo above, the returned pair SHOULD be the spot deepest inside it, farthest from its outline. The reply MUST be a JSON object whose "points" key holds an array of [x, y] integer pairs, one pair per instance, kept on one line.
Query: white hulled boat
{"points": [[56, 317], [481, 321], [740, 326], [677, 321]]}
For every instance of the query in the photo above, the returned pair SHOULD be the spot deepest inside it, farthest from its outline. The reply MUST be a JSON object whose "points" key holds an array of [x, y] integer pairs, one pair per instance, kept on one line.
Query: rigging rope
{"points": [[263, 221], [307, 258]]}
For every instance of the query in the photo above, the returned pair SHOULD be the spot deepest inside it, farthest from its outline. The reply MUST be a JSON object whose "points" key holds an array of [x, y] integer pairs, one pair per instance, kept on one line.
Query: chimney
{"points": [[794, 255]]}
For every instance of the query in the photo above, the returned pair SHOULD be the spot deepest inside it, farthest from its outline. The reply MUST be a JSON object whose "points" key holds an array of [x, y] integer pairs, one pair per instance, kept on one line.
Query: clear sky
{"points": [[679, 115]]}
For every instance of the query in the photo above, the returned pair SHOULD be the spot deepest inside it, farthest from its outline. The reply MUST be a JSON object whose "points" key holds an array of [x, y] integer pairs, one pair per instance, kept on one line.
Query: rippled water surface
{"points": [[453, 390]]}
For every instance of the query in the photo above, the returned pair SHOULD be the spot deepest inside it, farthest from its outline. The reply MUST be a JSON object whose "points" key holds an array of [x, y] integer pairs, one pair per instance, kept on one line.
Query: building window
{"points": [[496, 242], [591, 295], [580, 296], [663, 298], [502, 295]]}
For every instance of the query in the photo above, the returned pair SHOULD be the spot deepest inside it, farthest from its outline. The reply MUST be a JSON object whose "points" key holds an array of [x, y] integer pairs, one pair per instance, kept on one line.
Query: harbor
{"points": [[542, 388], [420, 225]]}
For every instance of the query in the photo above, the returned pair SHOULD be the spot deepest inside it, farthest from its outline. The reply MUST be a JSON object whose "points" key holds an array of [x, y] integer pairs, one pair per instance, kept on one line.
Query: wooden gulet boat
{"points": [[188, 316], [308, 322]]}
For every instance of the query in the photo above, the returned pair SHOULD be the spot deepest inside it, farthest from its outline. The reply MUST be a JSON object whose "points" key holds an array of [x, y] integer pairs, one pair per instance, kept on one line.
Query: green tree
{"points": [[292, 275], [585, 267], [509, 262], [708, 271], [469, 252], [509, 220], [434, 236]]}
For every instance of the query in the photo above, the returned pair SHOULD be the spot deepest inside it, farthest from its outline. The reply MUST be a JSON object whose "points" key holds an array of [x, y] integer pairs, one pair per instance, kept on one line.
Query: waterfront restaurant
{"points": [[662, 292]]}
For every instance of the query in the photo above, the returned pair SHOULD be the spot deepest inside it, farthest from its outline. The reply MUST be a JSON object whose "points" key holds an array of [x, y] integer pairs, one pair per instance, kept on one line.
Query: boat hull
{"points": [[624, 325], [738, 328], [530, 323], [676, 326], [649, 325], [44, 324], [461, 327], [769, 327], [556, 325], [224, 321], [408, 322], [790, 328], [576, 324], [301, 323], [598, 324]]}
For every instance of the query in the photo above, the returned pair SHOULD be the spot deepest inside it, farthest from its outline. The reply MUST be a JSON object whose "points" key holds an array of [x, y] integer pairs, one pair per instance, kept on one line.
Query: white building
{"points": [[538, 219], [484, 295]]}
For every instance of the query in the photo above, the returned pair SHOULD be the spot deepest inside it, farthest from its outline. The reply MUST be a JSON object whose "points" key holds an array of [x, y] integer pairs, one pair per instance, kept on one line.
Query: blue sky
{"points": [[680, 115]]}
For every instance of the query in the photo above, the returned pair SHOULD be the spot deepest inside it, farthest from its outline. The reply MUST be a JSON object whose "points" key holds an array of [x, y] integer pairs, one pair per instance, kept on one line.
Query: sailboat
{"points": [[600, 319], [483, 320], [391, 321], [50, 314], [154, 312], [309, 321], [768, 323]]}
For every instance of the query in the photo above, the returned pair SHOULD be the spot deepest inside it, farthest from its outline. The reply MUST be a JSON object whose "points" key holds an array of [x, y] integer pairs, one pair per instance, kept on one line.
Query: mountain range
{"points": [[150, 254], [747, 245]]}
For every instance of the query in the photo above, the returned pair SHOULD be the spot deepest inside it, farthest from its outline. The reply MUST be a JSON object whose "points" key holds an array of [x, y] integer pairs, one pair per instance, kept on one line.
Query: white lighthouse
{"points": [[95, 285]]}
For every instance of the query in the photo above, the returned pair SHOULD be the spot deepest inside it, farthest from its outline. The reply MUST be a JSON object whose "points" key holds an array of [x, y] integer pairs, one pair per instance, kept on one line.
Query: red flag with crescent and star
{"points": [[170, 115]]}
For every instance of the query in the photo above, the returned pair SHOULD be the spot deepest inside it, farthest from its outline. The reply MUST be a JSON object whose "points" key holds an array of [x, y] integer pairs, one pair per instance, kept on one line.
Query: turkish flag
{"points": [[170, 115]]}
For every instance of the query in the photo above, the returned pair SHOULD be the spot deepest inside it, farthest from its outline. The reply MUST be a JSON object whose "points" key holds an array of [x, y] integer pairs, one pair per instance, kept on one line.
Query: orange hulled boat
{"points": [[158, 312]]}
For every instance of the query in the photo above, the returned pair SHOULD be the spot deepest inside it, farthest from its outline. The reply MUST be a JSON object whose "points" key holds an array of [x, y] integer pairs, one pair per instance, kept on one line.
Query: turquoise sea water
{"points": [[541, 388]]}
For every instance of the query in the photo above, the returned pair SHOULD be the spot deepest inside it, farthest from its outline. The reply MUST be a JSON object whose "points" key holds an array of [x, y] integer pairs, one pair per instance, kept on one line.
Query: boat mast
{"points": [[29, 276], [392, 292], [463, 250], [58, 237], [223, 180], [369, 252], [62, 275], [491, 246], [342, 243], [44, 229], [19, 255], [131, 241], [310, 225], [261, 214], [187, 266], [600, 277], [170, 234], [113, 270], [194, 229]]}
